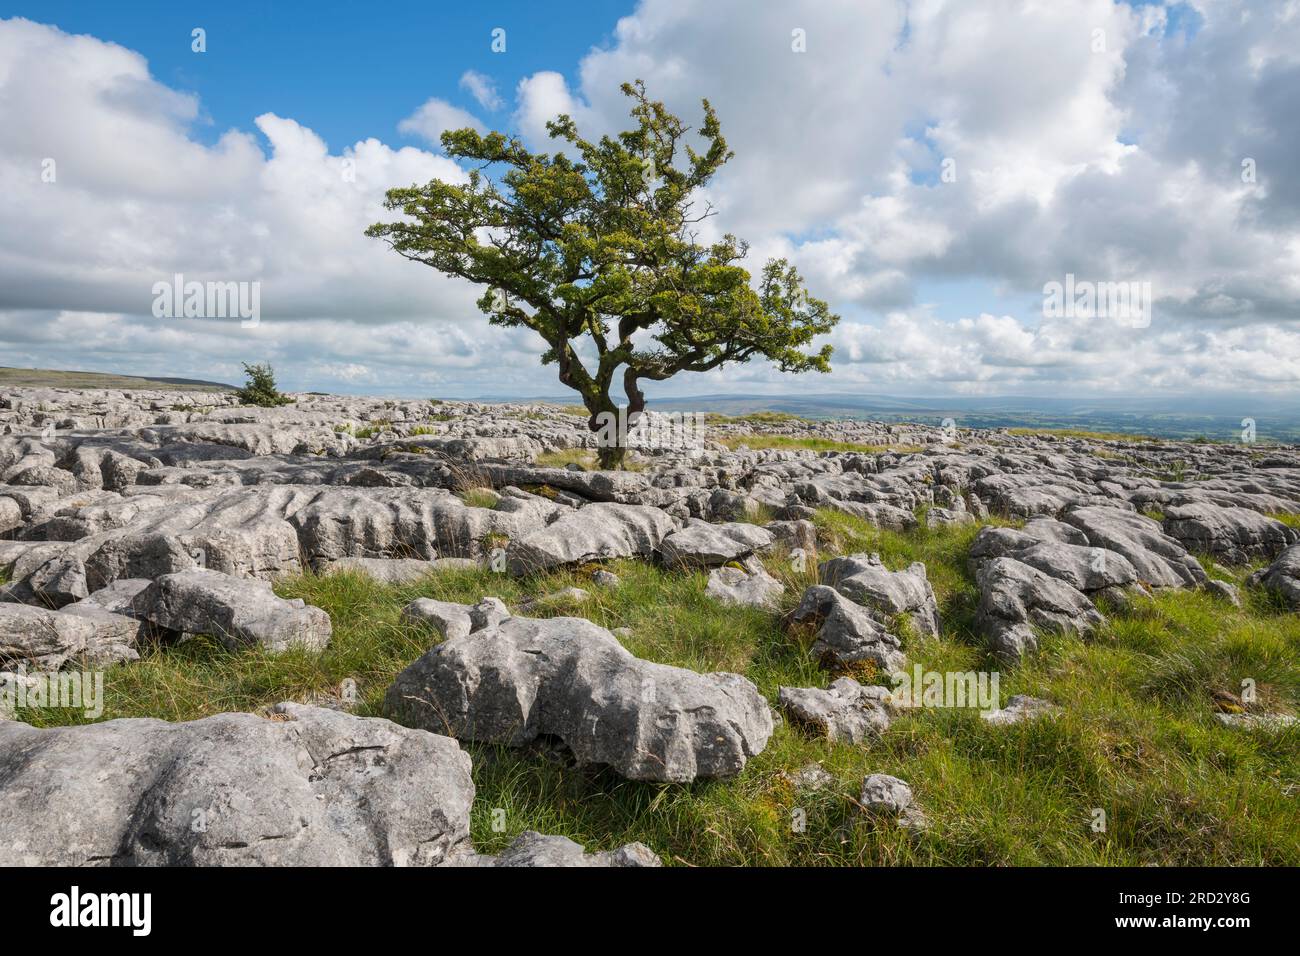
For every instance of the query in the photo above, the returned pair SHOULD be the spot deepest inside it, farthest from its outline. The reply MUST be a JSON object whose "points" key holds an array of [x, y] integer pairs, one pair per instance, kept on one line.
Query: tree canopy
{"points": [[600, 241]]}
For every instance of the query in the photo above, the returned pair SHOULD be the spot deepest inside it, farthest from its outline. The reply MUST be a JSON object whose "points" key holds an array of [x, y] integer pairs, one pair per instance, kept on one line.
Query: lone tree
{"points": [[604, 246]]}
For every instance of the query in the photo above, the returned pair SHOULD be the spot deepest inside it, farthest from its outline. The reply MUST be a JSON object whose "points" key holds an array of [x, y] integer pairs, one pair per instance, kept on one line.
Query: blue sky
{"points": [[347, 70], [1100, 139]]}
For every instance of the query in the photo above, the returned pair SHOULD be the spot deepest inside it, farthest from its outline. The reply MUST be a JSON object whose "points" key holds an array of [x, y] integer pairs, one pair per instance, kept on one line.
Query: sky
{"points": [[931, 167]]}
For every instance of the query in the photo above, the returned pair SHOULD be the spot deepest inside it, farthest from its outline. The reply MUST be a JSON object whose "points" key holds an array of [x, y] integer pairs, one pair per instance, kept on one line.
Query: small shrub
{"points": [[260, 388]]}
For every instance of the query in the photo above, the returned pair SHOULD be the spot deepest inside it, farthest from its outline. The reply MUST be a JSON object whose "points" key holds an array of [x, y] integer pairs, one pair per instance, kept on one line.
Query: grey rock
{"points": [[43, 638], [810, 777], [115, 637], [1160, 561], [1265, 722], [944, 517], [1282, 576], [704, 545], [846, 633], [565, 677], [846, 711], [531, 849], [1083, 568], [448, 619], [605, 579], [750, 587], [595, 532], [11, 515], [794, 534], [308, 787], [118, 597], [881, 792], [1225, 590], [891, 797], [487, 612], [12, 683], [1235, 535], [1020, 708], [383, 570], [237, 611], [864, 578], [1016, 598]]}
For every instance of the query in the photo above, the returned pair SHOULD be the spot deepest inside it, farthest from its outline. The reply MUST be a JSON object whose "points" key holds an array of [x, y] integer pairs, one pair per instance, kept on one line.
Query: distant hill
{"points": [[1214, 417], [53, 378]]}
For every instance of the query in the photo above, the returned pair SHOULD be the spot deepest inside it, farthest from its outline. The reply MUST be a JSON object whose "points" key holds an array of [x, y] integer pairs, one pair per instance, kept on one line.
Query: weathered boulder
{"points": [[1272, 723], [522, 678], [704, 545], [42, 638], [809, 777], [1160, 561], [307, 787], [1282, 576], [447, 618], [237, 611], [1015, 598], [891, 797], [794, 534], [115, 637], [865, 579], [1084, 568], [1235, 535], [487, 612], [747, 586], [118, 597], [594, 532], [11, 515], [334, 523], [845, 711], [846, 632]]}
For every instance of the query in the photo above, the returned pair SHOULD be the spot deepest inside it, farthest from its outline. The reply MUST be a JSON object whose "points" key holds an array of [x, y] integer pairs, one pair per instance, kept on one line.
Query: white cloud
{"points": [[436, 117], [483, 89], [1115, 163]]}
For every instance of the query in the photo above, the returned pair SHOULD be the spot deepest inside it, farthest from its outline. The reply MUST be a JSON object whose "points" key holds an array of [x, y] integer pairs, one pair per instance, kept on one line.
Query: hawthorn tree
{"points": [[602, 245]]}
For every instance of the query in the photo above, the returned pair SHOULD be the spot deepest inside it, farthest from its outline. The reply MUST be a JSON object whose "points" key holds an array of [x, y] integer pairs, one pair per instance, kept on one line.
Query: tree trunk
{"points": [[611, 457], [604, 424]]}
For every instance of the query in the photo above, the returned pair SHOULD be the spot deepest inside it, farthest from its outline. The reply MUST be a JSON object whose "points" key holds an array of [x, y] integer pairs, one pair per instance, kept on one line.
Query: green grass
{"points": [[585, 457], [753, 418], [1290, 520], [757, 442], [1138, 738], [53, 378], [1082, 433], [479, 497], [566, 456]]}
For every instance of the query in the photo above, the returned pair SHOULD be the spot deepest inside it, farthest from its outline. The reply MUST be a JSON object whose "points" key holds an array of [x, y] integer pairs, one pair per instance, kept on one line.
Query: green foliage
{"points": [[603, 244], [259, 389]]}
